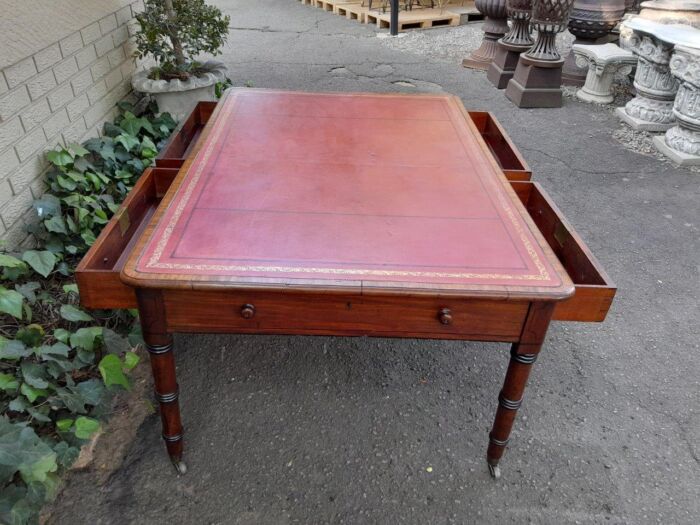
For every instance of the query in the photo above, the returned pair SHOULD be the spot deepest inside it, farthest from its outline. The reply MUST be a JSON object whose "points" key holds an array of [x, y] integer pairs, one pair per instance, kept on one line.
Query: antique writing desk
{"points": [[343, 214]]}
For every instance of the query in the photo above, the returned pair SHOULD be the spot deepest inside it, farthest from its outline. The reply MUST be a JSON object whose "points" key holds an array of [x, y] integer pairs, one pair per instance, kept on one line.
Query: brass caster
{"points": [[495, 471], [180, 466]]}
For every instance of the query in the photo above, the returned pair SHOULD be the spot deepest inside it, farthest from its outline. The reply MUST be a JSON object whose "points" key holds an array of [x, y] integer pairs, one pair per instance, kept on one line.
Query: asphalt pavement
{"points": [[283, 430]]}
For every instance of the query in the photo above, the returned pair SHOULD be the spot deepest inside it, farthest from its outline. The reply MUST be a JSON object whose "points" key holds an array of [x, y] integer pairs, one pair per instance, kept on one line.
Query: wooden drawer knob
{"points": [[247, 311], [445, 316]]}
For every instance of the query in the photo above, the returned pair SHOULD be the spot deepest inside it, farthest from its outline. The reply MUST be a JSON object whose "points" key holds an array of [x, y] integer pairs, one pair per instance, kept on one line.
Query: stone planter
{"points": [[537, 79], [590, 22], [672, 11], [179, 97], [516, 41], [495, 26]]}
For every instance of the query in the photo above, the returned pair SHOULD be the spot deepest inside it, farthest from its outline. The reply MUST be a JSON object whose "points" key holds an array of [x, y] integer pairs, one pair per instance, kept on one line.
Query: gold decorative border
{"points": [[154, 260]]}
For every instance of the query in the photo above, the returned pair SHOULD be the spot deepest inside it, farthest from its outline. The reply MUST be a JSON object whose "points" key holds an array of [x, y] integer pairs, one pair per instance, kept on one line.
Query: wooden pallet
{"points": [[416, 19], [323, 4], [356, 11], [340, 7]]}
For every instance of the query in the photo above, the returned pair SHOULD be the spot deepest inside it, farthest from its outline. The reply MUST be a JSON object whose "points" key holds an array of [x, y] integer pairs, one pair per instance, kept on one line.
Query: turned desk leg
{"points": [[522, 357], [159, 344]]}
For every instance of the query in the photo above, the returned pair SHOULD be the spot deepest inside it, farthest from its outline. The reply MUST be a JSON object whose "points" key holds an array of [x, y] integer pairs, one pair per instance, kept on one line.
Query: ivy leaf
{"points": [[92, 391], [85, 338], [15, 507], [13, 350], [8, 382], [28, 290], [85, 427], [56, 349], [19, 404], [30, 335], [66, 455], [64, 424], [59, 158], [74, 314], [11, 302], [71, 288], [32, 393], [40, 413], [77, 150], [73, 401], [115, 343], [34, 375], [131, 124], [128, 141], [62, 335], [56, 224], [42, 262], [148, 149], [107, 152], [89, 237], [131, 359], [7, 261], [112, 374]]}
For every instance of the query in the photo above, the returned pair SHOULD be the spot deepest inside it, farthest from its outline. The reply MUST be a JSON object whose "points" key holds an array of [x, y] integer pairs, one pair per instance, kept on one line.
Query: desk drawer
{"points": [[185, 137], [97, 274], [503, 150], [594, 289], [290, 312]]}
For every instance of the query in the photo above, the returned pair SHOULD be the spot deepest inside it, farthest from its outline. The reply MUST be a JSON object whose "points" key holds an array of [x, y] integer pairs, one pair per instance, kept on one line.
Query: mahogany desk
{"points": [[343, 214]]}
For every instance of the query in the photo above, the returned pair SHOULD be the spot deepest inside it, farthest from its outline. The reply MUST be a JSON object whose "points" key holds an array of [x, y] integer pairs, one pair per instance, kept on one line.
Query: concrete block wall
{"points": [[63, 67]]}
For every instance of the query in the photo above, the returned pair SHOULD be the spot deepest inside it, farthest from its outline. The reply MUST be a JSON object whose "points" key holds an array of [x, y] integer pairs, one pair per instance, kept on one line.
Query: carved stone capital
{"points": [[685, 65], [602, 61]]}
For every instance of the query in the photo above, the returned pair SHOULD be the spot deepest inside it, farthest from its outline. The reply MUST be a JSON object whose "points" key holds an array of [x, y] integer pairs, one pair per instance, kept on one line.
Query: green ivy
{"points": [[59, 364], [87, 182]]}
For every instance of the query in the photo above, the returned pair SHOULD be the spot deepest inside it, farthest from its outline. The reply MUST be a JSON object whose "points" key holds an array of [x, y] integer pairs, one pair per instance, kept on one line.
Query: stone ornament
{"points": [[495, 26], [652, 43], [516, 41], [215, 72], [520, 13], [590, 22], [536, 82], [672, 11], [682, 142], [179, 97], [602, 62], [549, 17]]}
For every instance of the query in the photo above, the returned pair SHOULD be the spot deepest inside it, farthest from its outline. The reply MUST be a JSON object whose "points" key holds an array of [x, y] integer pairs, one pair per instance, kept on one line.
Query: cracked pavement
{"points": [[340, 430]]}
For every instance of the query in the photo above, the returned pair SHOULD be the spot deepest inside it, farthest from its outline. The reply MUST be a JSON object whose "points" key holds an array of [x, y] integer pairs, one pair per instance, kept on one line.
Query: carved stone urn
{"points": [[537, 79], [516, 41], [590, 22], [672, 11], [495, 26]]}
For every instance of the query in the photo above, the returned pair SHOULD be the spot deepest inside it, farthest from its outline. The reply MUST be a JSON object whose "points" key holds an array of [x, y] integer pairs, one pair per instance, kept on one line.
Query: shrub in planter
{"points": [[175, 33]]}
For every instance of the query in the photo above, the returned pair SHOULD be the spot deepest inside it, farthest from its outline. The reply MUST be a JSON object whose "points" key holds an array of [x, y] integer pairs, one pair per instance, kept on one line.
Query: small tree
{"points": [[174, 32]]}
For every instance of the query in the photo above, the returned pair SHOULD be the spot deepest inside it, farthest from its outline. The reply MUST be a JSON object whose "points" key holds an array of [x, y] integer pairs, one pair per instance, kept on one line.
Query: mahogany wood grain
{"points": [[185, 136], [316, 314], [514, 166], [523, 355], [594, 288], [159, 343], [97, 273]]}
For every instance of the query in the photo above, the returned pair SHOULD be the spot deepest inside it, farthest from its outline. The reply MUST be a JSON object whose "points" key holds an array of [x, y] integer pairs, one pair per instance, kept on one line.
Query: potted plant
{"points": [[174, 33]]}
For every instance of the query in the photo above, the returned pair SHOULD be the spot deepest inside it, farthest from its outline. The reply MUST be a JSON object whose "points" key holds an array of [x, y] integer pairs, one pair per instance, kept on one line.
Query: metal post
{"points": [[394, 18]]}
